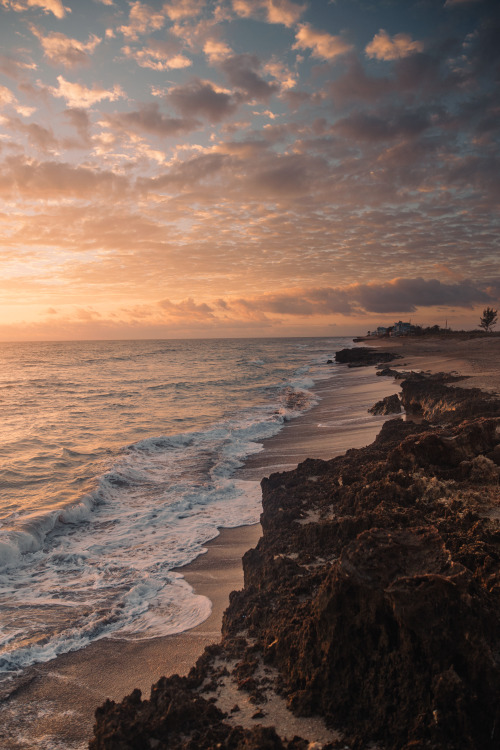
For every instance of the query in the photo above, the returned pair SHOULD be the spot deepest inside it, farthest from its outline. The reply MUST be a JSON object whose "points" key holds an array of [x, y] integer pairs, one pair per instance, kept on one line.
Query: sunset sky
{"points": [[247, 167]]}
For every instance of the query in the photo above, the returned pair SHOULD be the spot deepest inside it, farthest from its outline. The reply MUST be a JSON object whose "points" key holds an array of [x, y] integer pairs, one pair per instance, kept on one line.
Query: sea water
{"points": [[117, 464]]}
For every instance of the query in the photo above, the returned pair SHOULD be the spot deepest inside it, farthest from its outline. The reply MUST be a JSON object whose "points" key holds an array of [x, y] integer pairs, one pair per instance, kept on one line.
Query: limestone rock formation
{"points": [[387, 405], [373, 598]]}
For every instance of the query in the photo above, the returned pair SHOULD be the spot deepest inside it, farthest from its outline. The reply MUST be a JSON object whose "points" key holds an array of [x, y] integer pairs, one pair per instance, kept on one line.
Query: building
{"points": [[402, 329]]}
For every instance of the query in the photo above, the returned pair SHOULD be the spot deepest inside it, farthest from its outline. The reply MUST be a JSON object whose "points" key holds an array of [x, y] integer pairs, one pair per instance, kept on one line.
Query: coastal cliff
{"points": [[372, 600]]}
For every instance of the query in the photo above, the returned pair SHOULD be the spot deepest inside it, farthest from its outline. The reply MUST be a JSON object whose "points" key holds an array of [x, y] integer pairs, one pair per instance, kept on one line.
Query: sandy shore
{"points": [[61, 696], [477, 358], [339, 422]]}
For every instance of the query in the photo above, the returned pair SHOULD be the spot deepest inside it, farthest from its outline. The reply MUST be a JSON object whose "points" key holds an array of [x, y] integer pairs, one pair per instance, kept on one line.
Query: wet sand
{"points": [[59, 698], [477, 358], [339, 422]]}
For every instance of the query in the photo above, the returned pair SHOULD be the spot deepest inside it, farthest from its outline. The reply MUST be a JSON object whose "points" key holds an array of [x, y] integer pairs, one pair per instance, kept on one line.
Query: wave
{"points": [[113, 549]]}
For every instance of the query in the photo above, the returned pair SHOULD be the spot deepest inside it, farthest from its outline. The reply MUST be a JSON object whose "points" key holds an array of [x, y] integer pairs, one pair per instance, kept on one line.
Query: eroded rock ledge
{"points": [[372, 599]]}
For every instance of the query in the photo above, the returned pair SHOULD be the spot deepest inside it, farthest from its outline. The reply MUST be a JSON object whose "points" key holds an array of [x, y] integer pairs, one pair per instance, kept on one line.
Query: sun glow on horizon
{"points": [[237, 169]]}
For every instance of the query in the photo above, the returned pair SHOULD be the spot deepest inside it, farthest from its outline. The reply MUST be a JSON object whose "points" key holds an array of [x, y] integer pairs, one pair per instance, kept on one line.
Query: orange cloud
{"points": [[78, 95], [62, 50], [180, 9], [48, 6], [275, 11], [157, 56], [323, 45], [216, 51], [7, 98], [142, 20], [384, 47], [187, 308]]}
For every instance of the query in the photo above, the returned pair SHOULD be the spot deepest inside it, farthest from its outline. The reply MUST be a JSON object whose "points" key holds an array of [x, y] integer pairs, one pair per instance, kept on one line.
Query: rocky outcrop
{"points": [[387, 405], [373, 598], [432, 399], [362, 356]]}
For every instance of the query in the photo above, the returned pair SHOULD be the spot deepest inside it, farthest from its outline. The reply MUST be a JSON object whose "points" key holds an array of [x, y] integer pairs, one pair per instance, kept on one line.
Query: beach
{"points": [[389, 575], [477, 358], [74, 684]]}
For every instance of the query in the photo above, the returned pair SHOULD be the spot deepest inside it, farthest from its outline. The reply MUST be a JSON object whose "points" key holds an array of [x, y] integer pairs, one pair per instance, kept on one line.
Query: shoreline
{"points": [[77, 682], [368, 562]]}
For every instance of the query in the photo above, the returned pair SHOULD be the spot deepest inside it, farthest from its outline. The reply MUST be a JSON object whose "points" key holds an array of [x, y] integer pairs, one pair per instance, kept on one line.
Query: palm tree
{"points": [[488, 319]]}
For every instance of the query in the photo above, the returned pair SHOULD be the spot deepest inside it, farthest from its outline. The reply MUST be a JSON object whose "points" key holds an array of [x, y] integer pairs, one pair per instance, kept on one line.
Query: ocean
{"points": [[118, 463]]}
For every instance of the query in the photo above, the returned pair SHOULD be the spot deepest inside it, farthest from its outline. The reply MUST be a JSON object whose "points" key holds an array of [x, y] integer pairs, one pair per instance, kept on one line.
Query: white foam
{"points": [[102, 564]]}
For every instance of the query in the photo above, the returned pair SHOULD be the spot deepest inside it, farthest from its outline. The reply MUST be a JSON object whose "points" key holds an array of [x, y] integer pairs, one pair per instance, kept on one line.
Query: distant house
{"points": [[402, 329], [381, 331]]}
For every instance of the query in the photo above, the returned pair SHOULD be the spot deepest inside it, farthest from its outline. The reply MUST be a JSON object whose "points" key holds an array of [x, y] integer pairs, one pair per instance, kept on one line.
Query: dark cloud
{"points": [[406, 295], [355, 84], [80, 120], [396, 297], [52, 179], [186, 173], [242, 73], [148, 119], [13, 67], [388, 125], [482, 48], [288, 174], [202, 99], [42, 138]]}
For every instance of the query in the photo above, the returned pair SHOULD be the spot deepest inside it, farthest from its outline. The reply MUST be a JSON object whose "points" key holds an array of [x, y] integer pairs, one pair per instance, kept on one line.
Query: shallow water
{"points": [[117, 463]]}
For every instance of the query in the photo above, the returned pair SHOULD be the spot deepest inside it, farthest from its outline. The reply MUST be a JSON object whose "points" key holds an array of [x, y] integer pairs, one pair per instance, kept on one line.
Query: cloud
{"points": [[355, 84], [7, 99], [35, 180], [187, 309], [62, 50], [216, 51], [285, 175], [387, 125], [186, 174], [274, 11], [78, 95], [241, 72], [142, 20], [407, 295], [383, 47], [38, 136], [80, 120], [158, 55], [204, 99], [394, 297], [13, 67], [179, 9], [149, 119], [48, 6], [281, 73], [323, 45], [6, 96]]}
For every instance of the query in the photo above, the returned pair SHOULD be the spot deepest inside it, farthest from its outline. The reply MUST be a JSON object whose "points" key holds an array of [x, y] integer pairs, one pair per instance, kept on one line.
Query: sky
{"points": [[239, 168]]}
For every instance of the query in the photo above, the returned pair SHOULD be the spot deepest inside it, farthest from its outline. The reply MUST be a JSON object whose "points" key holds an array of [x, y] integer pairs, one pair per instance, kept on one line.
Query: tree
{"points": [[488, 319]]}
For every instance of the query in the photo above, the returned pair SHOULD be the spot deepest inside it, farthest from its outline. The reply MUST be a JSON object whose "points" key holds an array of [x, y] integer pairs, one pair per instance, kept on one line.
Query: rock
{"points": [[388, 405], [373, 595], [362, 356]]}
